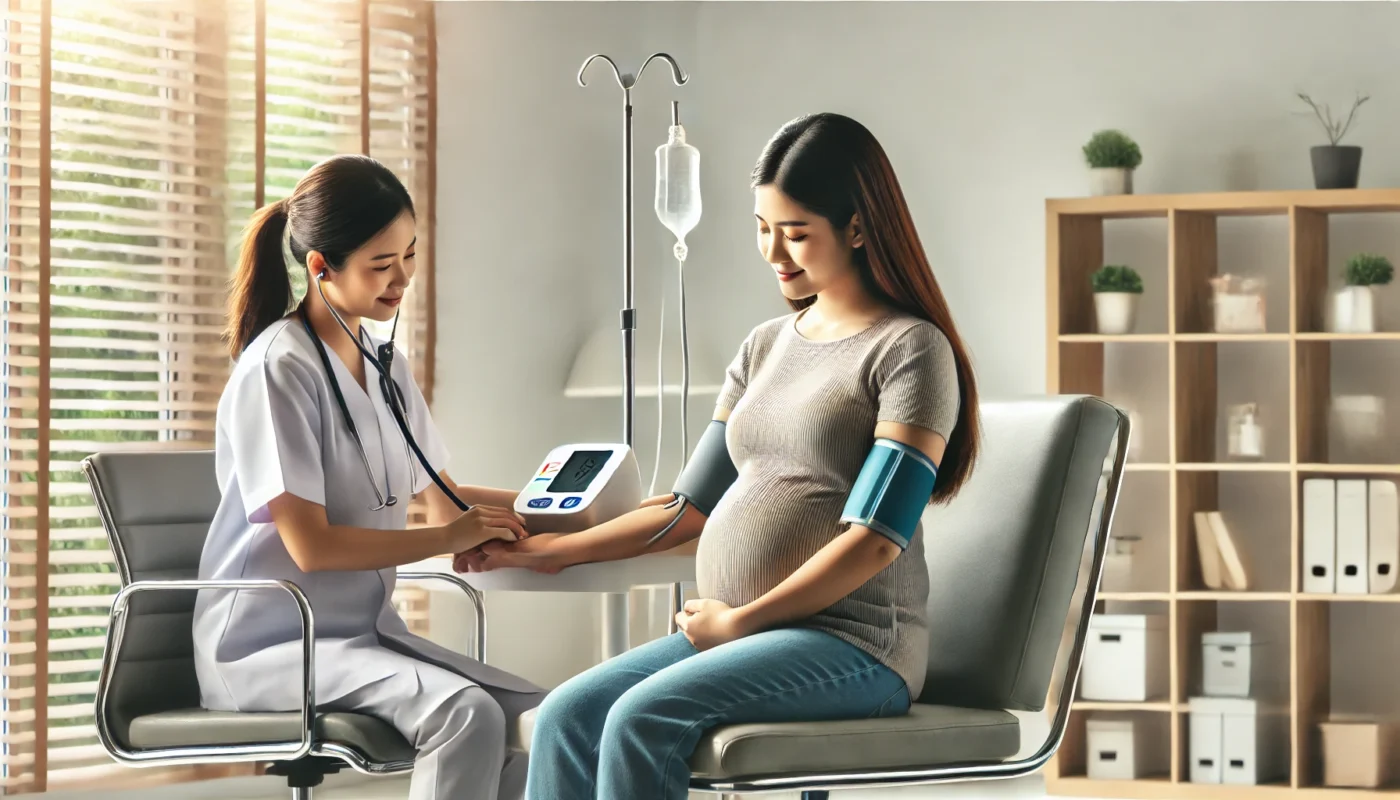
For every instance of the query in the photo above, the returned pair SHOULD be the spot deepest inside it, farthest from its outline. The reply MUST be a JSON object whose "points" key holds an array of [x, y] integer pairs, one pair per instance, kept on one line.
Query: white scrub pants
{"points": [[457, 726]]}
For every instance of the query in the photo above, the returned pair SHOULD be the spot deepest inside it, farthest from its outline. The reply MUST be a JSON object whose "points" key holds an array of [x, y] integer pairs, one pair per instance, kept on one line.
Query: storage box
{"points": [[1237, 741], [1125, 659], [1232, 662], [1359, 754], [1124, 748]]}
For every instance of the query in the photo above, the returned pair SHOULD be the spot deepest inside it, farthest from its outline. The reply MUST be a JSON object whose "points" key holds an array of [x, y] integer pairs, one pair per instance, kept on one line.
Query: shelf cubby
{"points": [[1205, 245], [1213, 376], [1349, 401], [1178, 377], [1254, 506], [1092, 241], [1142, 514]]}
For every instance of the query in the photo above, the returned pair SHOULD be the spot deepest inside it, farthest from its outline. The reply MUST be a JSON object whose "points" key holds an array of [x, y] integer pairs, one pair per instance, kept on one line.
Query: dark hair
{"points": [[834, 167], [336, 207]]}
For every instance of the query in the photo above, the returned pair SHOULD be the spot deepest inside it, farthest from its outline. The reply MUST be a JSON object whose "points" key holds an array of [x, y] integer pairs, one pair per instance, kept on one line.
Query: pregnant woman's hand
{"points": [[534, 553], [710, 623]]}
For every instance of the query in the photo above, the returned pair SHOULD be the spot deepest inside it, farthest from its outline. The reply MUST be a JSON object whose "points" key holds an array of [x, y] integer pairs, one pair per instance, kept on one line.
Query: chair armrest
{"points": [[479, 638], [117, 629]]}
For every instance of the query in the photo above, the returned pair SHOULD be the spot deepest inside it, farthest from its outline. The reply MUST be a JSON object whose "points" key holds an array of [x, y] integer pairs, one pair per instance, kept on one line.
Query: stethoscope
{"points": [[383, 362]]}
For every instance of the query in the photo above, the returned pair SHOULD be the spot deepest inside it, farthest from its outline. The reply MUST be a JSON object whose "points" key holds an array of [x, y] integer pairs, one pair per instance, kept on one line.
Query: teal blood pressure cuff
{"points": [[891, 491], [709, 472]]}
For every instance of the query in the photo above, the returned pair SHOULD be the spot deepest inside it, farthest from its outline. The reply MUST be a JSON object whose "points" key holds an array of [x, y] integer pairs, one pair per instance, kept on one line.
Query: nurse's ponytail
{"points": [[261, 289]]}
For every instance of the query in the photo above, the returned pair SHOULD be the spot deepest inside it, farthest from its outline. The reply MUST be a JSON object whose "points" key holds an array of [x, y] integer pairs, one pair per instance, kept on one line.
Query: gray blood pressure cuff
{"points": [[709, 473]]}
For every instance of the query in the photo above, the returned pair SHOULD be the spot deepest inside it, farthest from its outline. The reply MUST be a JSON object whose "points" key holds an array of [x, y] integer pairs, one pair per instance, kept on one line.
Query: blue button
{"points": [[570, 502], [541, 502]]}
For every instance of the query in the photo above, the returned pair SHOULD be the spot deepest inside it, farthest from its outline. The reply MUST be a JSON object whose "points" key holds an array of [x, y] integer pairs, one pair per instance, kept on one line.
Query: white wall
{"points": [[982, 106]]}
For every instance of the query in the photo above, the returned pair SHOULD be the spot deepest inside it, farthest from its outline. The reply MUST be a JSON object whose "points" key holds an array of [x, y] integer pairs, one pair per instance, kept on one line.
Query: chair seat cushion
{"points": [[927, 736], [377, 741]]}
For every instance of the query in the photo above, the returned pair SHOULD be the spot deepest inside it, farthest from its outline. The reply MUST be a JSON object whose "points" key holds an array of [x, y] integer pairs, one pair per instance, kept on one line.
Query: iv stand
{"points": [[629, 314], [615, 604]]}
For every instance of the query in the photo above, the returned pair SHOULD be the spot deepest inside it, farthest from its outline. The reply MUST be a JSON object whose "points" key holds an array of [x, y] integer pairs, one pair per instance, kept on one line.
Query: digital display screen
{"points": [[578, 472]]}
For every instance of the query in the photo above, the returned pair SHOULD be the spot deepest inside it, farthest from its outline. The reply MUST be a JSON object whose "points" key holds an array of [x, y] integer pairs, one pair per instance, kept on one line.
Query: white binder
{"points": [[1384, 512], [1319, 535], [1353, 567], [1205, 727]]}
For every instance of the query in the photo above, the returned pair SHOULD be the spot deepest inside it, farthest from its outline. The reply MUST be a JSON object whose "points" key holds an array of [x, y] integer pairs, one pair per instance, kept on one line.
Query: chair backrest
{"points": [[156, 508], [1004, 555]]}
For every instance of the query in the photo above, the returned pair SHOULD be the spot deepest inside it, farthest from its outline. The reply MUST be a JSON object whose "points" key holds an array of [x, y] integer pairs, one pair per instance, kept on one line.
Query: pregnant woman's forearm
{"points": [[836, 570], [626, 536]]}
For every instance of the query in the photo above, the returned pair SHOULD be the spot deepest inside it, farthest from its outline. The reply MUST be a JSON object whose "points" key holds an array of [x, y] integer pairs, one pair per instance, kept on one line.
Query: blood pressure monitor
{"points": [[579, 486]]}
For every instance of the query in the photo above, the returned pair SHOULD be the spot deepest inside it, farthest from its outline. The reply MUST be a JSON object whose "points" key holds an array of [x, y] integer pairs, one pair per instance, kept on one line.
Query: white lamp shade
{"points": [[597, 368]]}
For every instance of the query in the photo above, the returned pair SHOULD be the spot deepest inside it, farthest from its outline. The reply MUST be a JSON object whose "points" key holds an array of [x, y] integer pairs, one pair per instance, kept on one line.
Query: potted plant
{"points": [[1355, 304], [1112, 156], [1335, 166], [1117, 289]]}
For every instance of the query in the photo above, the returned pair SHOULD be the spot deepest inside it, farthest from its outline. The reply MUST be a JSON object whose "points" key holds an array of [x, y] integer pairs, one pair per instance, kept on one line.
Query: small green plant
{"points": [[1369, 269], [1112, 148], [1336, 128], [1116, 278]]}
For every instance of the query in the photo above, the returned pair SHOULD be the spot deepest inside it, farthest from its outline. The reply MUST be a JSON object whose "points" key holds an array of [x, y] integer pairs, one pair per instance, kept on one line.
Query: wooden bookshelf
{"points": [[1190, 466]]}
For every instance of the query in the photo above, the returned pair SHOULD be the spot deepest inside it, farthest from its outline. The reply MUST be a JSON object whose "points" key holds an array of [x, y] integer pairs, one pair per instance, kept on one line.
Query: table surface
{"points": [[603, 577]]}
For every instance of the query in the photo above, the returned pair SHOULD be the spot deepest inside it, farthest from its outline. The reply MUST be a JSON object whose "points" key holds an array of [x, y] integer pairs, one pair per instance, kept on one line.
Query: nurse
{"points": [[316, 481]]}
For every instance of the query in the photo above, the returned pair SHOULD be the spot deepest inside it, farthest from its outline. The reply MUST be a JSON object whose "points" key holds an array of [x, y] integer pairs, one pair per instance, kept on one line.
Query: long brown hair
{"points": [[834, 167], [336, 207]]}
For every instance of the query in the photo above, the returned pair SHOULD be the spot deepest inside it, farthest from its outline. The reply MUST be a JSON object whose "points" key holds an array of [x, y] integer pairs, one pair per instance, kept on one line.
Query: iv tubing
{"points": [[685, 361], [660, 395]]}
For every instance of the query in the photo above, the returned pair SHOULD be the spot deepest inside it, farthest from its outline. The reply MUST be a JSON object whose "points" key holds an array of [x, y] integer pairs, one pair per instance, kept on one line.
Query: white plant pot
{"points": [[1354, 310], [1116, 312], [1110, 180]]}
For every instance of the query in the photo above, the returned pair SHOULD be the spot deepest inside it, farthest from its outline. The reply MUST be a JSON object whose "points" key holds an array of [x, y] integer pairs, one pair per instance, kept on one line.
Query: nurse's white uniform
{"points": [[279, 430]]}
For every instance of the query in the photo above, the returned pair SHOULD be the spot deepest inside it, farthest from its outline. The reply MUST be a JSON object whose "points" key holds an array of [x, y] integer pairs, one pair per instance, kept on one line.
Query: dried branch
{"points": [[1335, 129]]}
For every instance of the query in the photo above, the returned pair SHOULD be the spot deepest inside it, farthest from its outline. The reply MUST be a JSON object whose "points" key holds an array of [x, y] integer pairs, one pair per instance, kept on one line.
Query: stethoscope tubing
{"points": [[393, 398]]}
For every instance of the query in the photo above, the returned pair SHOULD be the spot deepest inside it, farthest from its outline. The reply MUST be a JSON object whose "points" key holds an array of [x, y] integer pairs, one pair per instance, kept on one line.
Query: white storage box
{"points": [[1233, 662], [1125, 659], [1237, 741], [1125, 748]]}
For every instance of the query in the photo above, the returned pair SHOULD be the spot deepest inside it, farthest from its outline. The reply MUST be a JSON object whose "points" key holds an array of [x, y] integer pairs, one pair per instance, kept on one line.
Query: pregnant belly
{"points": [[759, 535]]}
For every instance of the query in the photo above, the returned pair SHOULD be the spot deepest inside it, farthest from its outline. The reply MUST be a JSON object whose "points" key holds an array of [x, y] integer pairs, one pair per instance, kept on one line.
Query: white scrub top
{"points": [[279, 430]]}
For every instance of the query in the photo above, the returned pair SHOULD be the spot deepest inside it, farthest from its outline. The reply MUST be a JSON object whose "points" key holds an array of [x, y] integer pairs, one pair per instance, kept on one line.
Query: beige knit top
{"points": [[802, 421]]}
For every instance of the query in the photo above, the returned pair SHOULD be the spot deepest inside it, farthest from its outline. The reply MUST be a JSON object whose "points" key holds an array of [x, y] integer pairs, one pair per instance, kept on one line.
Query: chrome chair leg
{"points": [[301, 793], [677, 603]]}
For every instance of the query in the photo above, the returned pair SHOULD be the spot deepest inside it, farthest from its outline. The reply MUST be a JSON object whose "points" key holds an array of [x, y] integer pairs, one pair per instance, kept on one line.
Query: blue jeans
{"points": [[626, 728]]}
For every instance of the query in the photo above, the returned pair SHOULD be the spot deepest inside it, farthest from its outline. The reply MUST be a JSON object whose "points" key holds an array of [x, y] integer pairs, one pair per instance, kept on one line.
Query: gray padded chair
{"points": [[156, 508], [1006, 558]]}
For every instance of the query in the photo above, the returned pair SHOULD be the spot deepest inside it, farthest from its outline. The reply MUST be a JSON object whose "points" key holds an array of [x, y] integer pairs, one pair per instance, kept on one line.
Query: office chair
{"points": [[1006, 559], [156, 508]]}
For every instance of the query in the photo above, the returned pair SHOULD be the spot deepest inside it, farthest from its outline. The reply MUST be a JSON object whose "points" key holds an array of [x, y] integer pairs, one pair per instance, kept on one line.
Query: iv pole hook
{"points": [[627, 81], [629, 314]]}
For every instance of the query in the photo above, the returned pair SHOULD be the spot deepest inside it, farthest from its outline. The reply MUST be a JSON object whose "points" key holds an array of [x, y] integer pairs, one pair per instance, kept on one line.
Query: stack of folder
{"points": [[1351, 535]]}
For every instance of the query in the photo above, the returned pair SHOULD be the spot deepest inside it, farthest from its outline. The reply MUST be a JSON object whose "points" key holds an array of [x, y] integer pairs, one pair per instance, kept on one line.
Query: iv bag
{"points": [[678, 186]]}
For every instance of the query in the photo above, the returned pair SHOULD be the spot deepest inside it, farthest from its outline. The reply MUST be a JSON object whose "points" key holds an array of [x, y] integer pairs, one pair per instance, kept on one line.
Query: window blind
{"points": [[125, 227], [138, 265], [25, 559]]}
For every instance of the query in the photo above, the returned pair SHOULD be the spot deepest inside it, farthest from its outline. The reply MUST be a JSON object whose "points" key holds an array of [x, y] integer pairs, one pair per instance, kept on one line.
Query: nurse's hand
{"points": [[710, 623], [484, 524]]}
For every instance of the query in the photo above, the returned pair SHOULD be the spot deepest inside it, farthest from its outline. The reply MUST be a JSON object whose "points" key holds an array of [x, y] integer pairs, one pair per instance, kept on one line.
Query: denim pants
{"points": [[625, 729]]}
